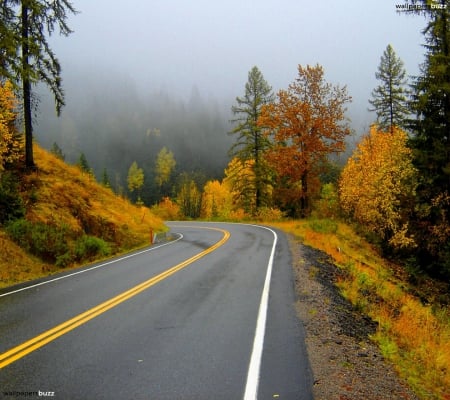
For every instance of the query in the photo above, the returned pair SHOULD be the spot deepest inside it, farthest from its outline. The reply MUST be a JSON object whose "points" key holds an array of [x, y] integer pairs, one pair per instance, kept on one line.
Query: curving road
{"points": [[208, 316]]}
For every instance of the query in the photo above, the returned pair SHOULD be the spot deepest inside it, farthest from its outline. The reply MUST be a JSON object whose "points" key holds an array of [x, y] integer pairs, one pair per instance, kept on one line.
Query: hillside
{"points": [[69, 219]]}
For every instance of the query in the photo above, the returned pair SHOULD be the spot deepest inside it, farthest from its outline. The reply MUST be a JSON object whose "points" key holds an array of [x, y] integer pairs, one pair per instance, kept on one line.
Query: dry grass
{"points": [[59, 194], [414, 336]]}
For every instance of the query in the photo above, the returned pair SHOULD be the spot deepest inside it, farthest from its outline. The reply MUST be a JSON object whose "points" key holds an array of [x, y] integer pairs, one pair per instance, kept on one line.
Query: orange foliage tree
{"points": [[11, 145], [378, 186], [306, 123]]}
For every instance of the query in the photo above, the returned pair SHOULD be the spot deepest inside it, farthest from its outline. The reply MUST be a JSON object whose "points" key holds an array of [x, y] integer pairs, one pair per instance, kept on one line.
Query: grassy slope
{"points": [[412, 335], [61, 194]]}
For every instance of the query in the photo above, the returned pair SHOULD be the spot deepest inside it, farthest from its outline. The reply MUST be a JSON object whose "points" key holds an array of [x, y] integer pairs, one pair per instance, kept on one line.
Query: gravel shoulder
{"points": [[346, 365]]}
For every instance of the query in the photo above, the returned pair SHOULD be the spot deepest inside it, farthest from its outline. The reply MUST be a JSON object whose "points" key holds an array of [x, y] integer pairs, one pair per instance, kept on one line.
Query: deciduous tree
{"points": [[306, 123], [389, 99], [11, 144], [165, 164], [135, 178], [217, 200], [378, 186]]}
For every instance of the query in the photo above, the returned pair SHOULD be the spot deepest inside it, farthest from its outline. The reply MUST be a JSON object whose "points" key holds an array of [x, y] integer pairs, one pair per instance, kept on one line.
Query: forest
{"points": [[268, 155]]}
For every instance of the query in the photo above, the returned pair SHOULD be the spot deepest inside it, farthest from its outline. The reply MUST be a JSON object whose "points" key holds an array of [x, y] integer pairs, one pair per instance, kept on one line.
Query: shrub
{"points": [[11, 204], [46, 241], [323, 225], [89, 247]]}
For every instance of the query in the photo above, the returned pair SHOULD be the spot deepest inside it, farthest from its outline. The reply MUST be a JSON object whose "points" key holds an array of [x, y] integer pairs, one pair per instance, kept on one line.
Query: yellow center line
{"points": [[35, 343]]}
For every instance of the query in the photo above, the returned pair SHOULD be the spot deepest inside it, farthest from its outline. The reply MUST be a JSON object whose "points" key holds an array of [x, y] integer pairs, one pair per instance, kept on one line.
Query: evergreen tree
{"points": [[252, 143], [57, 151], [105, 179], [8, 41], [25, 26], [83, 163], [431, 140], [389, 99]]}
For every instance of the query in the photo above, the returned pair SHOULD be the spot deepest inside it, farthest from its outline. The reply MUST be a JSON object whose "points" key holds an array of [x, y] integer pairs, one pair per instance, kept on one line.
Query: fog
{"points": [[176, 66]]}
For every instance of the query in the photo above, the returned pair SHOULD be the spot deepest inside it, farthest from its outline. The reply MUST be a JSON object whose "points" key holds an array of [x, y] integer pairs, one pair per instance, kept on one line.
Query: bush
{"points": [[90, 247], [11, 204], [323, 226], [46, 241], [269, 214]]}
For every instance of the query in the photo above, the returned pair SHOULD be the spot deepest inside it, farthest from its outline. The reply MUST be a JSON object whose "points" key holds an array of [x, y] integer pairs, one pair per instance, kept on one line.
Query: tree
{"points": [[25, 25], [252, 143], [189, 197], [105, 178], [306, 123], [83, 163], [8, 41], [165, 164], [11, 144], [135, 178], [240, 178], [216, 200], [57, 151], [389, 99], [430, 140], [378, 186]]}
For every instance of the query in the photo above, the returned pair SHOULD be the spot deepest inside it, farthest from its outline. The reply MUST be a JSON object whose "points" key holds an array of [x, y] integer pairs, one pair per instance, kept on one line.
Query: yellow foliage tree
{"points": [[240, 178], [11, 145], [217, 200], [378, 184]]}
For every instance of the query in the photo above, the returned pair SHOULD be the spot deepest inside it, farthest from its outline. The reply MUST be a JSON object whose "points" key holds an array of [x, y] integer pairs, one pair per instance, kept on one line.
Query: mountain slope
{"points": [[67, 206]]}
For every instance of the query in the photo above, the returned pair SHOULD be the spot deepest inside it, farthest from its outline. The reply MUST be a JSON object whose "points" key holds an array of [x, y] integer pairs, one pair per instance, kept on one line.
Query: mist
{"points": [[150, 74], [114, 124]]}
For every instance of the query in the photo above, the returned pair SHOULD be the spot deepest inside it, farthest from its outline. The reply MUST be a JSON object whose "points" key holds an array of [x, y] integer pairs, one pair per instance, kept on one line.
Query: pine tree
{"points": [[57, 151], [26, 26], [105, 179], [389, 99], [431, 140], [251, 142], [83, 163]]}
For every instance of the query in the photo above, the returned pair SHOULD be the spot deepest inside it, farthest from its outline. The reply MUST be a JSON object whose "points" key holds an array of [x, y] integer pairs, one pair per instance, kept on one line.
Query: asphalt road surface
{"points": [[208, 316]]}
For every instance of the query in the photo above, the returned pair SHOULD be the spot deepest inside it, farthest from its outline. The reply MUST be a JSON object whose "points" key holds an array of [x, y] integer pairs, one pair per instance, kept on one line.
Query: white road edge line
{"points": [[251, 387], [92, 268]]}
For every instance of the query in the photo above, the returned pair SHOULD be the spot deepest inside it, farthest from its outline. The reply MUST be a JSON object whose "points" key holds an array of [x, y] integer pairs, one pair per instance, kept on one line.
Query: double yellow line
{"points": [[31, 345]]}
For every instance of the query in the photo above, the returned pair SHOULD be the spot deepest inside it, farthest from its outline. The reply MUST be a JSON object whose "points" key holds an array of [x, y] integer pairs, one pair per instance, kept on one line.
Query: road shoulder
{"points": [[346, 365]]}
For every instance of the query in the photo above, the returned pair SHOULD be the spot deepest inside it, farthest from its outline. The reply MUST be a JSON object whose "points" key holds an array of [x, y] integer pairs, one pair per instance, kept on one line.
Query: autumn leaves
{"points": [[289, 137], [306, 124]]}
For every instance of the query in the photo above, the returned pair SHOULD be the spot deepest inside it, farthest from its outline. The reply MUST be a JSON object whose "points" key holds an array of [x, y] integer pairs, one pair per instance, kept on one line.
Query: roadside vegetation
{"points": [[412, 312], [382, 215], [62, 218]]}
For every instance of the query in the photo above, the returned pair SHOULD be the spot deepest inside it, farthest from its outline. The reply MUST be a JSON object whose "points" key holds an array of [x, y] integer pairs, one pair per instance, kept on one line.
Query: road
{"points": [[207, 316]]}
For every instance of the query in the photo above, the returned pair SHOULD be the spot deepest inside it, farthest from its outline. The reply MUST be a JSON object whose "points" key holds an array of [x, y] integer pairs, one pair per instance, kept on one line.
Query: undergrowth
{"points": [[64, 219], [414, 335]]}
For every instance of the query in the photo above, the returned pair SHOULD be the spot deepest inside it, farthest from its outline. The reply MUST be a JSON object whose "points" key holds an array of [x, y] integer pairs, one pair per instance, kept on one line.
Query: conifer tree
{"points": [[83, 163], [431, 139], [105, 178], [251, 142], [389, 99], [26, 54]]}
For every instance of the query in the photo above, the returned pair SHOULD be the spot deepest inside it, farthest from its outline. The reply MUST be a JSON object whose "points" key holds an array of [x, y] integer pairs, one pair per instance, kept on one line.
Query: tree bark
{"points": [[26, 87]]}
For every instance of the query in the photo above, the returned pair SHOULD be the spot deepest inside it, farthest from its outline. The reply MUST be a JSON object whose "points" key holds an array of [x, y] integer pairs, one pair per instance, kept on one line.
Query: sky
{"points": [[210, 45]]}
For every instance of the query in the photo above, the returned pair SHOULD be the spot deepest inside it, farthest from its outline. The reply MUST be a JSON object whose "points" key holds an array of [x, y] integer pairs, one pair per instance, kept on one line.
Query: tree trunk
{"points": [[26, 86], [304, 203]]}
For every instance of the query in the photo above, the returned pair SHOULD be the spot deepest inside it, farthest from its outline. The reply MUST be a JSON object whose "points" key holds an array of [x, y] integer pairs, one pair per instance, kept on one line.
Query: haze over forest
{"points": [[160, 74]]}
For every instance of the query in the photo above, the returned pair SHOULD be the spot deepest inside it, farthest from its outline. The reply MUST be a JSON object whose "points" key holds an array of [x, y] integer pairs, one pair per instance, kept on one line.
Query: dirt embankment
{"points": [[345, 363]]}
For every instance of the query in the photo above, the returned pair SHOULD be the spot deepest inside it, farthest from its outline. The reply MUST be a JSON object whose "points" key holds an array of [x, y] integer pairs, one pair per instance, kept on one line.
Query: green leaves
{"points": [[389, 99]]}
